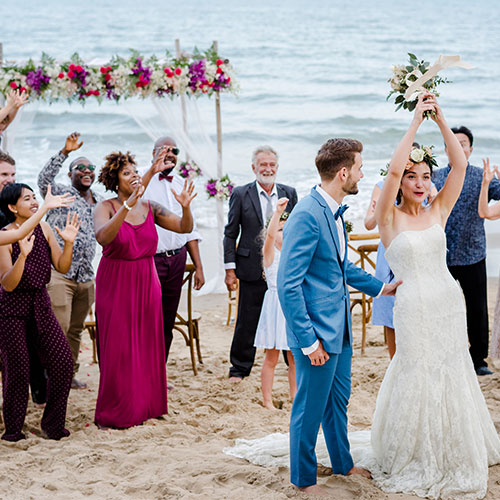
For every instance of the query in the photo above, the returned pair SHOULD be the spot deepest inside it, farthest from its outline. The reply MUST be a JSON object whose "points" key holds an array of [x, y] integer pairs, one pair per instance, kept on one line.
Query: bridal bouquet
{"points": [[189, 170], [403, 76], [220, 189]]}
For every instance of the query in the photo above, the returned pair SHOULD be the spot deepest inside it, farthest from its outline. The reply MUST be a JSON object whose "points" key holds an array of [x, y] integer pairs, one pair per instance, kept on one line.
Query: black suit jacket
{"points": [[245, 221]]}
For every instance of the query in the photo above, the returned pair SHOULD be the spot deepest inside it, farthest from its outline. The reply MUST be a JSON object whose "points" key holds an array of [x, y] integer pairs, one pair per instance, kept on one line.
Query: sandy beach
{"points": [[180, 455]]}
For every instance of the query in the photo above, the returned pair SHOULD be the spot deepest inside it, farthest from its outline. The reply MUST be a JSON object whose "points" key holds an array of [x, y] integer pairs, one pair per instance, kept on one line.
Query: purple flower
{"points": [[37, 80]]}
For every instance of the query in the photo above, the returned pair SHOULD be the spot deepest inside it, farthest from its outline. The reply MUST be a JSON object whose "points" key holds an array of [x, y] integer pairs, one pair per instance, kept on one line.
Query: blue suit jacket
{"points": [[312, 278]]}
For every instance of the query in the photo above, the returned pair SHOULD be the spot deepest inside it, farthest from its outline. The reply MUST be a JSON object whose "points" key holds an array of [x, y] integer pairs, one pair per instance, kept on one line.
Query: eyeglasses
{"points": [[81, 167]]}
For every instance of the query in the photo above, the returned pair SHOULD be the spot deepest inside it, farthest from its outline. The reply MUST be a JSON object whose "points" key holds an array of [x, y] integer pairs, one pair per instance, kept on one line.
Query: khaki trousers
{"points": [[71, 302]]}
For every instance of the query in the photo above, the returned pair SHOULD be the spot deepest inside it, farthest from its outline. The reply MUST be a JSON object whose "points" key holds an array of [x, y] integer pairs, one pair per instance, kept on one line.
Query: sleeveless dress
{"points": [[383, 306], [271, 330], [432, 434], [133, 384], [27, 319]]}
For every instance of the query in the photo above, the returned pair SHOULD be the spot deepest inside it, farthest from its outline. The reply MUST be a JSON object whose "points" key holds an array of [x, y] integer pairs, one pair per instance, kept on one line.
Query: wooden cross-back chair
{"points": [[365, 257]]}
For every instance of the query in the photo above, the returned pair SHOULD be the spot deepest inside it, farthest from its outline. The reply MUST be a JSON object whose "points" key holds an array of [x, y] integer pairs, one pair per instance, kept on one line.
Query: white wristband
{"points": [[126, 206]]}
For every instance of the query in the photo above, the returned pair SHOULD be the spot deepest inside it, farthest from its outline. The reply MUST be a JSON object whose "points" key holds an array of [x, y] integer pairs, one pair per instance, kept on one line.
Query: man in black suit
{"points": [[250, 207]]}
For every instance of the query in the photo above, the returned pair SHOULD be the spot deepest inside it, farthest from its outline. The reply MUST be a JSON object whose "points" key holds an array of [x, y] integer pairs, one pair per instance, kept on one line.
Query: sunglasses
{"points": [[81, 167], [174, 150]]}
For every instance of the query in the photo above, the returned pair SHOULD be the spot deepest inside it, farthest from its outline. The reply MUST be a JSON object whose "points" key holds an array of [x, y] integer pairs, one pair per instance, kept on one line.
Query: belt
{"points": [[171, 253]]}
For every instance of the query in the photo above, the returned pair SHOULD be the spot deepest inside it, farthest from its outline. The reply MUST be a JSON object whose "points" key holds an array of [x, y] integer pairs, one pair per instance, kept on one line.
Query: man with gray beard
{"points": [[250, 207]]}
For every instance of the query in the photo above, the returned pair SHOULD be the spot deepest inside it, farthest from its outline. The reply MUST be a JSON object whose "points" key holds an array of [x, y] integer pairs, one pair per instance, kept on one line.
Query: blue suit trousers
{"points": [[322, 396]]}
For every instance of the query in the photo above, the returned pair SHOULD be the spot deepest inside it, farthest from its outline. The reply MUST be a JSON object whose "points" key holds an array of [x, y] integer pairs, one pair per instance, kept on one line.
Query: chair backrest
{"points": [[356, 243]]}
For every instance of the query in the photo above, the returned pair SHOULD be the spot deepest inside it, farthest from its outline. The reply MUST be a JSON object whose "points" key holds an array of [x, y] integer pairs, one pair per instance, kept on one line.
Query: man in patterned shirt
{"points": [[72, 294], [466, 243]]}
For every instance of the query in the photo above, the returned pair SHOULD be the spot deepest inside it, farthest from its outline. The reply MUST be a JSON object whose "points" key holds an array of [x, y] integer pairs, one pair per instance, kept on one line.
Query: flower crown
{"points": [[417, 155], [423, 154]]}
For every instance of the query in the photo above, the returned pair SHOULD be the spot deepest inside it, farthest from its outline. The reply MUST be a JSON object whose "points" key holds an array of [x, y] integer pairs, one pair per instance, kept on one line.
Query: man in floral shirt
{"points": [[72, 294]]}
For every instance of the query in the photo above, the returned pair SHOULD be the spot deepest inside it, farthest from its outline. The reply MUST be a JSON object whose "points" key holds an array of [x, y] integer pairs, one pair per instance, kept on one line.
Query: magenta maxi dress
{"points": [[133, 381]]}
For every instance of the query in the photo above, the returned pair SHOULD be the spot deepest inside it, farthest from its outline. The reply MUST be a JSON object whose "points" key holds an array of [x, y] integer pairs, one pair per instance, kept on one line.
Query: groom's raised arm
{"points": [[300, 239]]}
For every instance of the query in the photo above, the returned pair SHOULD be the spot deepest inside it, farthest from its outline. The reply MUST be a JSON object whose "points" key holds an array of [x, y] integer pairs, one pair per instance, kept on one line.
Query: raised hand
{"points": [[159, 162], [26, 244], [137, 193], [53, 201], [488, 174], [281, 205], [16, 99], [437, 115], [186, 196], [72, 143], [73, 224], [426, 104]]}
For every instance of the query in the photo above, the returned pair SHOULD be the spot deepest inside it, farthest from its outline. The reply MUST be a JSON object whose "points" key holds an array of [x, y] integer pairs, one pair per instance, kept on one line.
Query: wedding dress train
{"points": [[432, 434]]}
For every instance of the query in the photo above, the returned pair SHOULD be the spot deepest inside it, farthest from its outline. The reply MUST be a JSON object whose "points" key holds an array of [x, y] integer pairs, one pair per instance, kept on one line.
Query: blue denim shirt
{"points": [[465, 236]]}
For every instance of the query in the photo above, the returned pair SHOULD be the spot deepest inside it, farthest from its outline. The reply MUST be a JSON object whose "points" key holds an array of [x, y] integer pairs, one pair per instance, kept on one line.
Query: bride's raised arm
{"points": [[384, 209], [448, 196]]}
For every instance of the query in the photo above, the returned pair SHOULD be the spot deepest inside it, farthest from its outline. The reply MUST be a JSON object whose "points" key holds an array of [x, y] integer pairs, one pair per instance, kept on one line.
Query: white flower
{"points": [[417, 155]]}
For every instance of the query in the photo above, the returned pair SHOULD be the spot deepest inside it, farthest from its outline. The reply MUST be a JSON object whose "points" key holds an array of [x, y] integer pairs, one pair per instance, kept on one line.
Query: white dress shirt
{"points": [[263, 197], [333, 205], [161, 192]]}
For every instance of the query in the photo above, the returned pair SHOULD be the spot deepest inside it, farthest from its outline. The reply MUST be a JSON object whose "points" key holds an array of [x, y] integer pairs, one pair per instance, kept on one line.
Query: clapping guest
{"points": [[25, 311], [133, 386], [72, 293], [492, 213], [170, 257], [15, 100]]}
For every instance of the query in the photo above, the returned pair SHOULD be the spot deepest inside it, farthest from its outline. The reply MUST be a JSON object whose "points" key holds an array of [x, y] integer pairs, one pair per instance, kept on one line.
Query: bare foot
{"points": [[269, 405], [40, 406], [235, 380], [360, 471], [315, 489]]}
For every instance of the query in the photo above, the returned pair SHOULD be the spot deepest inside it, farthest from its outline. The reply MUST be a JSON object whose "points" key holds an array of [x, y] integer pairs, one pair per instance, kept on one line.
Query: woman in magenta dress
{"points": [[133, 384]]}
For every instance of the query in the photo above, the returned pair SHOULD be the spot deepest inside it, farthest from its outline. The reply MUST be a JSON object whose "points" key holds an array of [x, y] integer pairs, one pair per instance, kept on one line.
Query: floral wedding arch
{"points": [[168, 82]]}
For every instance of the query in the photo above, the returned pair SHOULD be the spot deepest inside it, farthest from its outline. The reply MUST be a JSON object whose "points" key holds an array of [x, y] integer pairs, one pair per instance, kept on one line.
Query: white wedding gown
{"points": [[432, 434]]}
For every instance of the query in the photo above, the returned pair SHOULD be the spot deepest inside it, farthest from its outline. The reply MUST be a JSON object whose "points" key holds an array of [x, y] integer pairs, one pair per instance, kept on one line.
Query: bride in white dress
{"points": [[432, 434]]}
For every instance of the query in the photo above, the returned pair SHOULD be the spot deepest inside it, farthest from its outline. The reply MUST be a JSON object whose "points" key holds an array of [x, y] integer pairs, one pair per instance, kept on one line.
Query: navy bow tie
{"points": [[340, 211]]}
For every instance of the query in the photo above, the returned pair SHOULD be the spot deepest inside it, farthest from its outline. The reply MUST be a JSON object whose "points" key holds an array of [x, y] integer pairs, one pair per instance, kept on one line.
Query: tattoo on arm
{"points": [[160, 210]]}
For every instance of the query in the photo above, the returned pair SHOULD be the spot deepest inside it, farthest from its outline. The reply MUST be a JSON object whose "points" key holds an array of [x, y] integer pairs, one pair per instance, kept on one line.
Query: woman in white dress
{"points": [[271, 330], [432, 434]]}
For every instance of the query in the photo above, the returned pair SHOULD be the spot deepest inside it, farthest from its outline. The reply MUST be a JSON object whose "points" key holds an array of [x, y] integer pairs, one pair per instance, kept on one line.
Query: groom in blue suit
{"points": [[312, 285]]}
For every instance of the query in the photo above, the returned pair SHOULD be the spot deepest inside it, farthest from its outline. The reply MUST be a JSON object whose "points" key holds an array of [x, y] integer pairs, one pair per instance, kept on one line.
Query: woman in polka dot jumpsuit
{"points": [[26, 313]]}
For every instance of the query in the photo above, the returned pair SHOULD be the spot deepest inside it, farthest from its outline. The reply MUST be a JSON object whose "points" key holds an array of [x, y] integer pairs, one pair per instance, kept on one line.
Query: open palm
{"points": [[186, 196], [71, 230]]}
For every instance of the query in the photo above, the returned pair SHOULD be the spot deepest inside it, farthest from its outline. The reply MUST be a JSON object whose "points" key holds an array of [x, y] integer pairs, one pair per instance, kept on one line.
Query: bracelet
{"points": [[125, 204]]}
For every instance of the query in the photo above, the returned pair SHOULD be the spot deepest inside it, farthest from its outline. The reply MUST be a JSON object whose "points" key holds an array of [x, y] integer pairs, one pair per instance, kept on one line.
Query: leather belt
{"points": [[171, 253]]}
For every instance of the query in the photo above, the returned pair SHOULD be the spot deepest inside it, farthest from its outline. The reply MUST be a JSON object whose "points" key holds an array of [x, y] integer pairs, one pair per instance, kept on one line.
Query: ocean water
{"points": [[308, 70]]}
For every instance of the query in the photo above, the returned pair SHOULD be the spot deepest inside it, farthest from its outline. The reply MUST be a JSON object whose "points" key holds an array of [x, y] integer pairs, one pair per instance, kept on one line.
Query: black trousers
{"points": [[251, 296], [473, 281]]}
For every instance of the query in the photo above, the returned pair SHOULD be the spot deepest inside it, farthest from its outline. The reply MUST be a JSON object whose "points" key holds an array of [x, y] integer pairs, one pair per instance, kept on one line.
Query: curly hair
{"points": [[115, 162]]}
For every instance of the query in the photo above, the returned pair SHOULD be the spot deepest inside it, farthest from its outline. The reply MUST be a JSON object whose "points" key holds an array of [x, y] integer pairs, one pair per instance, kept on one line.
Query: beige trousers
{"points": [[71, 302]]}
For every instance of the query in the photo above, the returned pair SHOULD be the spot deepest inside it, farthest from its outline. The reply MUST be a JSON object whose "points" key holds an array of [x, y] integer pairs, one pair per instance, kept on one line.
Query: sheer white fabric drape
{"points": [[164, 117]]}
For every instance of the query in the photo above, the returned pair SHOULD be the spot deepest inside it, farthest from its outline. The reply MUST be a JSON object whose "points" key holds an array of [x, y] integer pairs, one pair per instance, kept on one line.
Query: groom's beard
{"points": [[350, 186]]}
